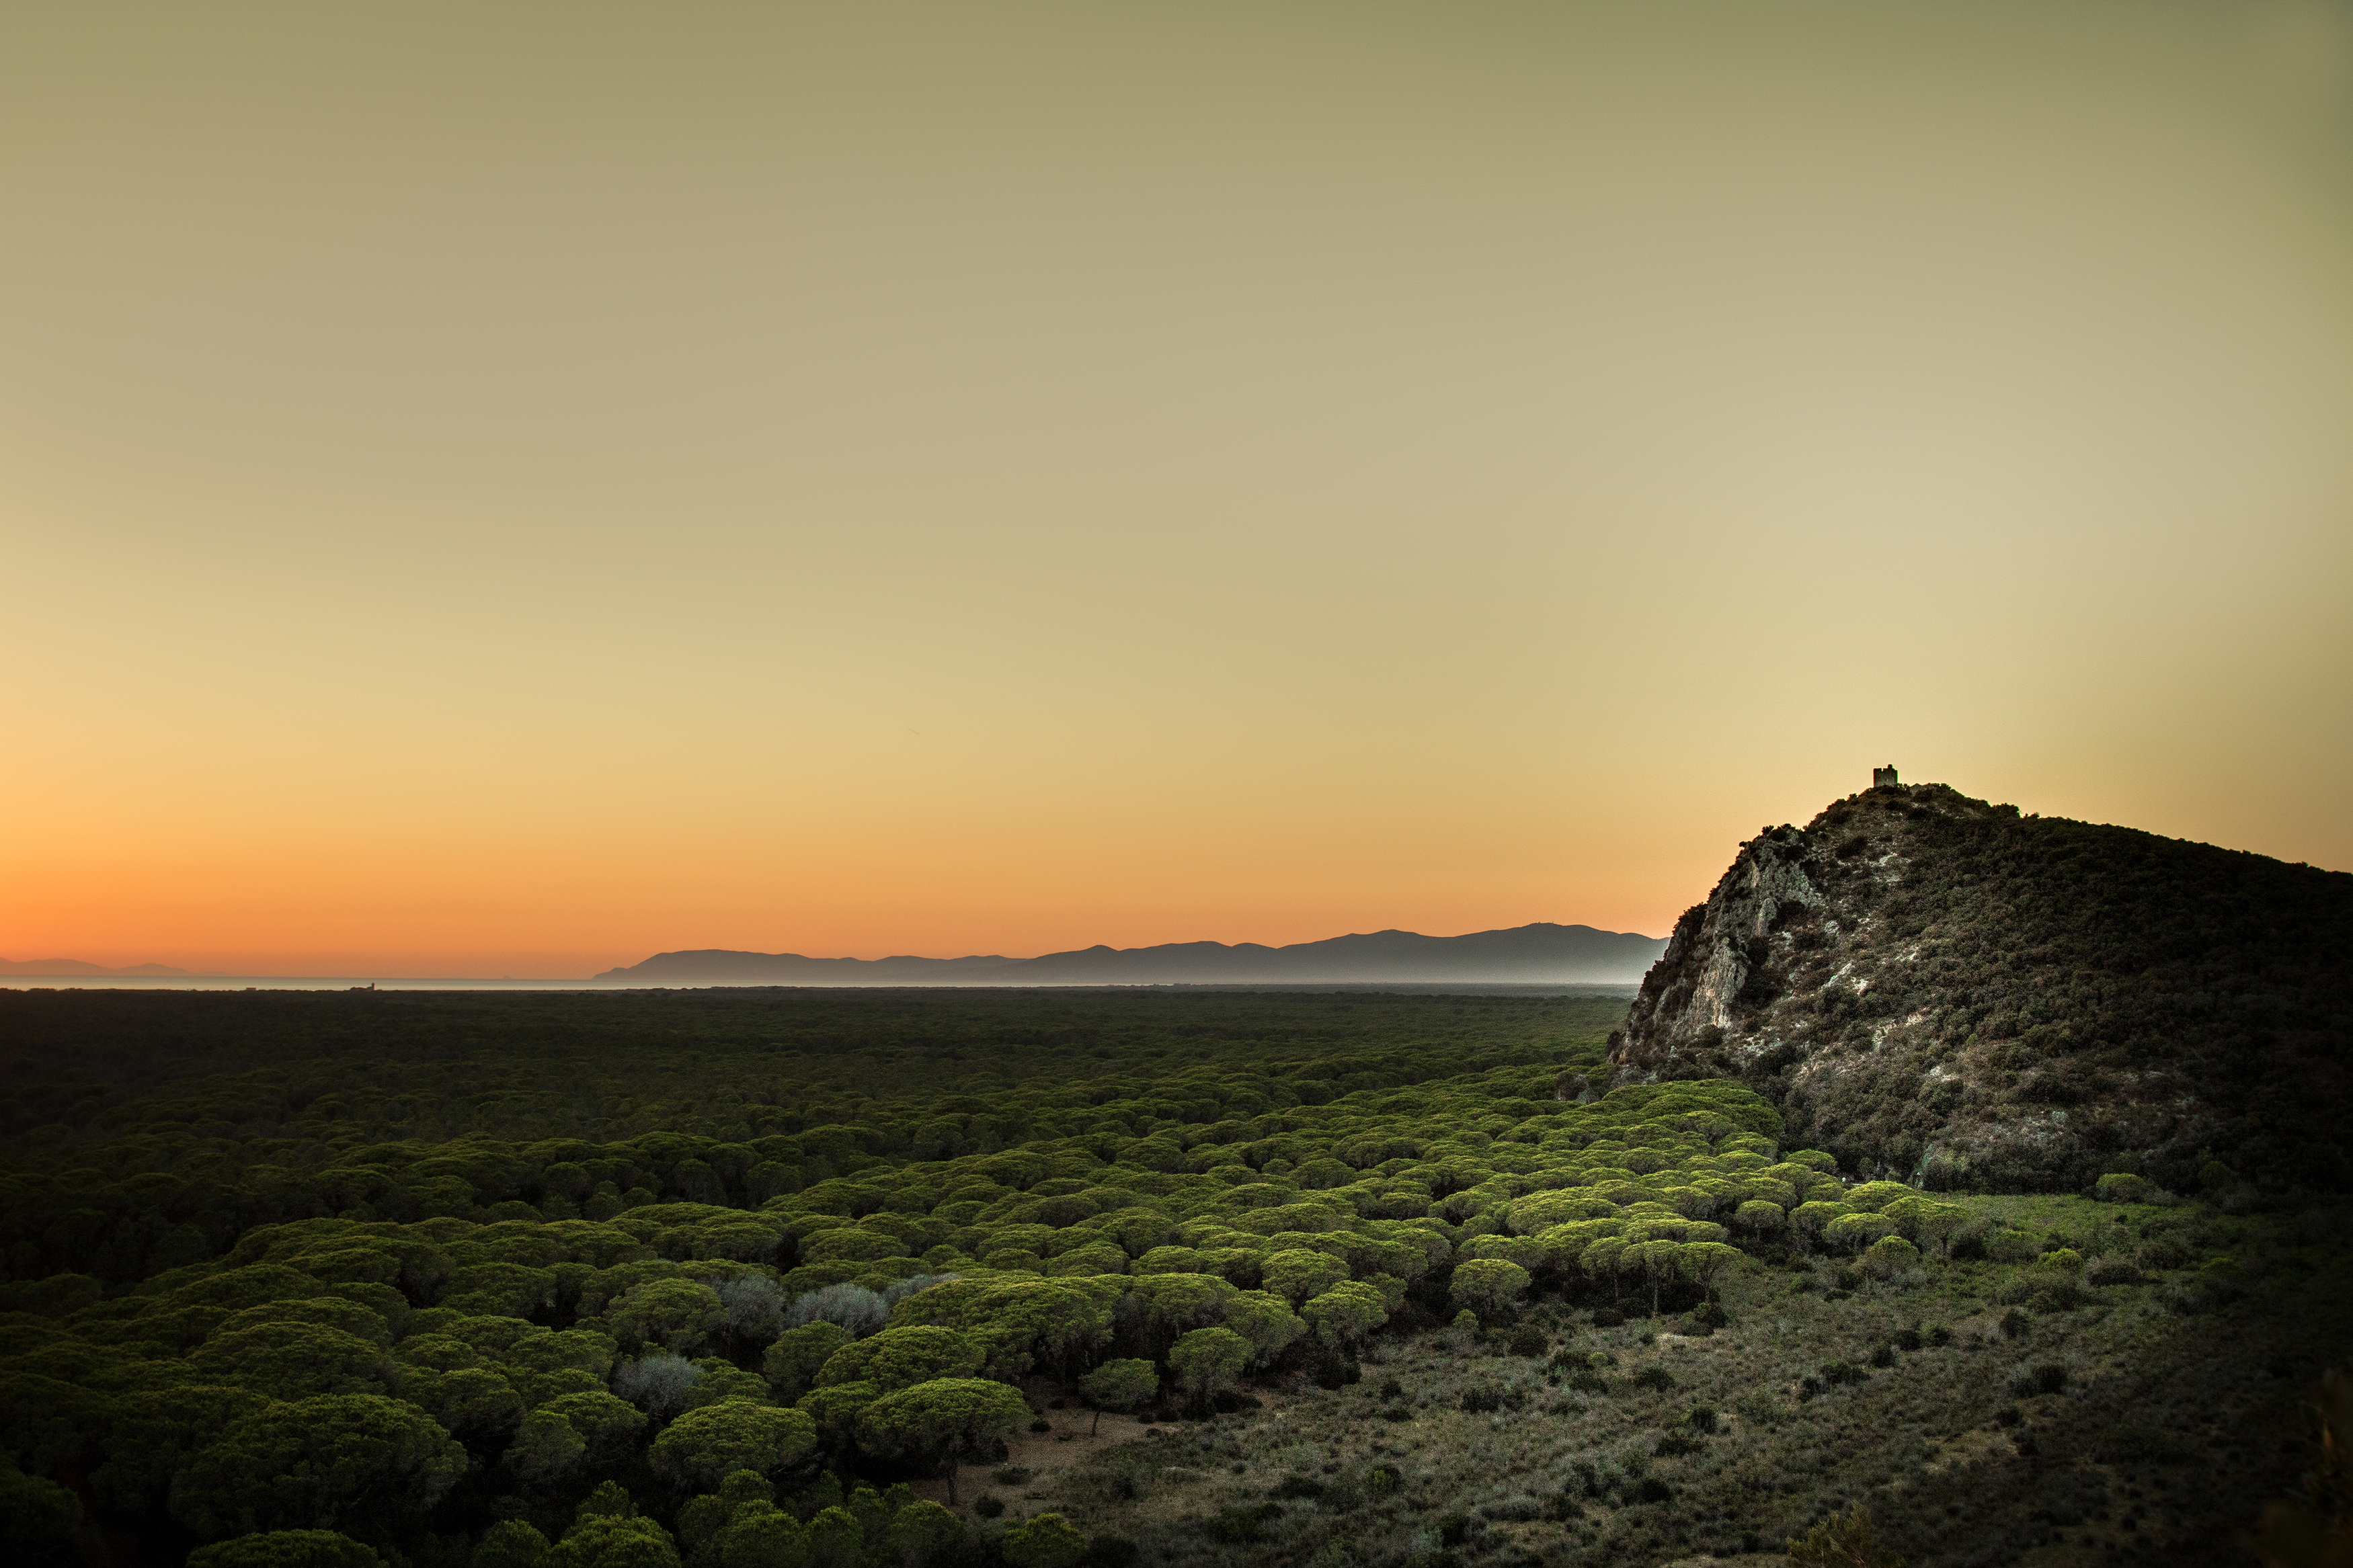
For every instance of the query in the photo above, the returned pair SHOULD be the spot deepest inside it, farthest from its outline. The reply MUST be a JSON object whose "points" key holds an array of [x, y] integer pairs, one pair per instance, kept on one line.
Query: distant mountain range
{"points": [[1543, 953], [76, 966]]}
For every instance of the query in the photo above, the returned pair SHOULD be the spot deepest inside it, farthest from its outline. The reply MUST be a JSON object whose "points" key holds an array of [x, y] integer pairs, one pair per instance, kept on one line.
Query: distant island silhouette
{"points": [[65, 966], [1543, 953]]}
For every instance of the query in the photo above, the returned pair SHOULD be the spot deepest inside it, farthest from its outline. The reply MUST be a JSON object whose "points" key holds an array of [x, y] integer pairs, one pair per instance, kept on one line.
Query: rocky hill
{"points": [[1943, 990]]}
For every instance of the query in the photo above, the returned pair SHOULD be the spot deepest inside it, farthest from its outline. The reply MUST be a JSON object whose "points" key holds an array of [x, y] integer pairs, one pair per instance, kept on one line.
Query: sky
{"points": [[507, 491]]}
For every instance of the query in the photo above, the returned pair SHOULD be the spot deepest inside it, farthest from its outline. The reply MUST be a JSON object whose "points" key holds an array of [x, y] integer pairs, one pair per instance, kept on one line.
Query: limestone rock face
{"points": [[1715, 946], [1942, 990]]}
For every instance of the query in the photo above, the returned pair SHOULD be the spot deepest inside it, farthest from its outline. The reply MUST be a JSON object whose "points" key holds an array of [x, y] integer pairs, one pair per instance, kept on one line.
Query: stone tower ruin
{"points": [[1883, 778]]}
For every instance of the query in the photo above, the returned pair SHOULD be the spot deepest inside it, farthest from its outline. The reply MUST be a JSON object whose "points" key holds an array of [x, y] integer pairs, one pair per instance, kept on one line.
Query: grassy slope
{"points": [[1920, 1441]]}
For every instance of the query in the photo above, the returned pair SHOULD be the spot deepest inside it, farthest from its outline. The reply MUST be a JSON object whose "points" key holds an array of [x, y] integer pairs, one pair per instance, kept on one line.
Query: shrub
{"points": [[2112, 1271], [1479, 1400], [1121, 1384], [2220, 1279], [756, 1308], [1859, 1231], [603, 1539], [1654, 1378], [1329, 1371], [1675, 1444], [1295, 1484], [2144, 1446], [1888, 1255], [1842, 1541], [1239, 1526], [2008, 1416], [1589, 1383], [1527, 1340], [1608, 1317], [1049, 1541], [2058, 1296], [1206, 1359], [1907, 1339], [2015, 1324], [1012, 1475], [2012, 1246], [1342, 1316], [1838, 1372], [1650, 1489], [1489, 1286], [509, 1544], [853, 1308], [792, 1360], [611, 1500], [2049, 1377], [1702, 1418], [2118, 1187], [658, 1383], [279, 1549], [1884, 1356], [988, 1505], [702, 1446]]}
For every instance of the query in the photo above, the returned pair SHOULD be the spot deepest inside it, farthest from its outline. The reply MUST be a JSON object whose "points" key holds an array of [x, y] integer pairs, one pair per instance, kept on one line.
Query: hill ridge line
{"points": [[1540, 951]]}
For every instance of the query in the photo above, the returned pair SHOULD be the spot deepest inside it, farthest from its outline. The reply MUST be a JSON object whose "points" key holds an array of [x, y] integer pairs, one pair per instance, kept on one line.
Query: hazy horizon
{"points": [[512, 491], [12, 972]]}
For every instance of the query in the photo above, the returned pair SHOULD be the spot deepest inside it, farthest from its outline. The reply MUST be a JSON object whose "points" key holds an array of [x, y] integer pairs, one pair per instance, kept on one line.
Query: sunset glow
{"points": [[510, 491]]}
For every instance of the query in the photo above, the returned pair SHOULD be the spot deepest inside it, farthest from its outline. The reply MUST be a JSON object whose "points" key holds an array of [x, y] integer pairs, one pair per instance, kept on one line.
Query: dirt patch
{"points": [[1049, 1456]]}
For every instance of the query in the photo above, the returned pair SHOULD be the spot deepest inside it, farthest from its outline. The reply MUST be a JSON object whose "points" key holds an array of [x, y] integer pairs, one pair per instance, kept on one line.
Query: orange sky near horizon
{"points": [[509, 492]]}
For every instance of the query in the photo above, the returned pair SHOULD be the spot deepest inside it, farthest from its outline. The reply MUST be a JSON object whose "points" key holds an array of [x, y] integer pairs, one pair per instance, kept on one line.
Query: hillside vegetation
{"points": [[1943, 991], [815, 1280]]}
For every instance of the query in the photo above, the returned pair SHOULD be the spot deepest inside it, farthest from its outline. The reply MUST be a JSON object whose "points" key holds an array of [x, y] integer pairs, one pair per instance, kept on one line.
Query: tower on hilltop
{"points": [[1883, 778]]}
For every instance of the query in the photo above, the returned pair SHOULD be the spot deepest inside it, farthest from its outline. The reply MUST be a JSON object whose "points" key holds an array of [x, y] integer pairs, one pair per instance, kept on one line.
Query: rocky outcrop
{"points": [[1944, 990], [1689, 999]]}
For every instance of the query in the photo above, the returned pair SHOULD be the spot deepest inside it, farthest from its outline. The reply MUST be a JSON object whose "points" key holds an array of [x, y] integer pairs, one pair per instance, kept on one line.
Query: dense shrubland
{"points": [[1975, 1414], [151, 1129], [769, 1332]]}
